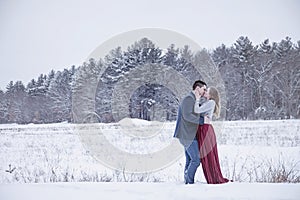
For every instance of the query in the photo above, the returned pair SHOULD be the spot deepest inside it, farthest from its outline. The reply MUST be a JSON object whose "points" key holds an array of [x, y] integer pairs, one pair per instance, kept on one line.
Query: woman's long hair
{"points": [[214, 95]]}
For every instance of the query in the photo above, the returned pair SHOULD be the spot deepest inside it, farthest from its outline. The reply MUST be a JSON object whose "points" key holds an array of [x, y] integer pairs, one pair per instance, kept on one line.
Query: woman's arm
{"points": [[207, 106]]}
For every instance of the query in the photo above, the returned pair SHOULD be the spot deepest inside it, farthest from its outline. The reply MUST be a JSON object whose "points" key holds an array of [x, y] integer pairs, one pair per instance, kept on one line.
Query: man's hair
{"points": [[198, 83]]}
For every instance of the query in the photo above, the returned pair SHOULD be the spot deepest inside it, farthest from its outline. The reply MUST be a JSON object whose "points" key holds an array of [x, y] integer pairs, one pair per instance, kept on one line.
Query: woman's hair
{"points": [[214, 95]]}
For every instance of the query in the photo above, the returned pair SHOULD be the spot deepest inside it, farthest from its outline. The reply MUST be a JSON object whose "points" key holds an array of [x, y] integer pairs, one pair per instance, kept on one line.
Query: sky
{"points": [[38, 36]]}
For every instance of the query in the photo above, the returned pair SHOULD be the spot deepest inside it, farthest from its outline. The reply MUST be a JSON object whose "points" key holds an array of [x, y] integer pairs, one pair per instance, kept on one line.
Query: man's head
{"points": [[200, 87]]}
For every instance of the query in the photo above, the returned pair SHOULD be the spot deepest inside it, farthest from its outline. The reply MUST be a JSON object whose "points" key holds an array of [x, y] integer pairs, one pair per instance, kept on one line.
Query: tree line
{"points": [[261, 82]]}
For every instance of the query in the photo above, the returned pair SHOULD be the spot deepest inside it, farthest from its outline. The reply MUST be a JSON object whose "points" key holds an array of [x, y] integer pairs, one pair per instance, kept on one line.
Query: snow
{"points": [[250, 152], [157, 191]]}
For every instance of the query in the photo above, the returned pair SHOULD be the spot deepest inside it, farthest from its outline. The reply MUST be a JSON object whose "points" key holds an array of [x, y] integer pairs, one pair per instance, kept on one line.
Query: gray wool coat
{"points": [[187, 121]]}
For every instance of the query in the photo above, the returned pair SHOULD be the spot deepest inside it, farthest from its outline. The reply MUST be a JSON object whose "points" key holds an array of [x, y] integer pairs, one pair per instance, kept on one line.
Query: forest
{"points": [[261, 82]]}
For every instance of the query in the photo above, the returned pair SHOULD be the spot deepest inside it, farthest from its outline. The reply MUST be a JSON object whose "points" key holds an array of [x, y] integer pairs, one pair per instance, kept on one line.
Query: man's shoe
{"points": [[186, 181], [185, 178]]}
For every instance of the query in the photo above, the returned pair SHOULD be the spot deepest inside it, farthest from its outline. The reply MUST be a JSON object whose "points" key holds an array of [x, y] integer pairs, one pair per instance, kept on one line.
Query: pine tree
{"points": [[85, 84], [261, 82], [266, 47], [222, 56], [244, 53], [261, 76], [287, 78], [3, 108], [185, 60], [16, 96], [171, 56], [10, 87], [60, 96]]}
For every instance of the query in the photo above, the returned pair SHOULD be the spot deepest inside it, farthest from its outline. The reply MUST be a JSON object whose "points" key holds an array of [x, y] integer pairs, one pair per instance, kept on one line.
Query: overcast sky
{"points": [[37, 36]]}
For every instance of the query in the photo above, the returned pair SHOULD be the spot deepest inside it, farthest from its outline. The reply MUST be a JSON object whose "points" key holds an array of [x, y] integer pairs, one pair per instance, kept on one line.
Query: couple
{"points": [[196, 134]]}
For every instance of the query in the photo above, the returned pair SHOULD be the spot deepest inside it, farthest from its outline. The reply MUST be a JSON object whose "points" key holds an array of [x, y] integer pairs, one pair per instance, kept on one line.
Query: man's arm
{"points": [[188, 113]]}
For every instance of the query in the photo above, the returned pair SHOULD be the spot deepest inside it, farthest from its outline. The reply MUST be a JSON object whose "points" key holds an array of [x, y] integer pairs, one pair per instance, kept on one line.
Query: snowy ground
{"points": [[250, 152], [149, 191]]}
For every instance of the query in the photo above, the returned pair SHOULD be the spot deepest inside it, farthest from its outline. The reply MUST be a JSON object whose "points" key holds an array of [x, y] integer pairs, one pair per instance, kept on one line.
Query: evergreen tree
{"points": [[49, 78], [261, 82], [262, 75], [287, 78], [60, 96], [244, 53], [3, 108], [222, 56], [266, 47], [10, 88], [86, 83], [185, 60], [16, 96], [171, 56]]}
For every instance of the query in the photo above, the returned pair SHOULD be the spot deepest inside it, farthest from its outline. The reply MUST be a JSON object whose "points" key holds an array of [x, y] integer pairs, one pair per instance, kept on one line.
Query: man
{"points": [[186, 129]]}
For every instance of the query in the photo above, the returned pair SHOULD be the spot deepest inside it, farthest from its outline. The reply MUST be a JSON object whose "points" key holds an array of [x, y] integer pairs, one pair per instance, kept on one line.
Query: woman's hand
{"points": [[197, 95], [207, 120]]}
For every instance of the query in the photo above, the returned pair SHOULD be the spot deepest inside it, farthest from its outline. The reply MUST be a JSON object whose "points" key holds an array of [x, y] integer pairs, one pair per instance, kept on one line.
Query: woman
{"points": [[207, 139]]}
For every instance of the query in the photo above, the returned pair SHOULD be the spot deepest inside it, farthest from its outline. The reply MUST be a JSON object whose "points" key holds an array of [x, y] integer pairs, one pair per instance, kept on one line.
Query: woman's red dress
{"points": [[209, 155]]}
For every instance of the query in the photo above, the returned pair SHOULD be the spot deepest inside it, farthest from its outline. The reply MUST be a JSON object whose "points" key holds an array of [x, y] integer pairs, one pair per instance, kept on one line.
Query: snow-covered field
{"points": [[250, 152], [150, 191]]}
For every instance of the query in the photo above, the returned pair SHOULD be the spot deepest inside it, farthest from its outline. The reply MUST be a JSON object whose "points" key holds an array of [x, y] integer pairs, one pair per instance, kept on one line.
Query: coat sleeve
{"points": [[206, 107], [188, 113]]}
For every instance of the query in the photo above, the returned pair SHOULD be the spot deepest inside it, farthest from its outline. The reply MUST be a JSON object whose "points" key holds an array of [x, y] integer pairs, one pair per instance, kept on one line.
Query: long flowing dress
{"points": [[209, 154], [208, 145]]}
